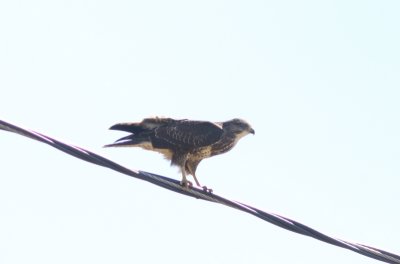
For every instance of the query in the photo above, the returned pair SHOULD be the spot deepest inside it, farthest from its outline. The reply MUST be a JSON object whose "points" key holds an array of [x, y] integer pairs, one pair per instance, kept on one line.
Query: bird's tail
{"points": [[138, 138], [128, 141], [129, 127]]}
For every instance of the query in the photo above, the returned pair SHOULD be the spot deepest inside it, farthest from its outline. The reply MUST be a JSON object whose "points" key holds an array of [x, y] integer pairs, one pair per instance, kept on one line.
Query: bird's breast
{"points": [[223, 145], [201, 153]]}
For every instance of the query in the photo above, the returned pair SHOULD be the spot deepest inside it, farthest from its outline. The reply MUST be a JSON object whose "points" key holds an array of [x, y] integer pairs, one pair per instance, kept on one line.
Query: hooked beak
{"points": [[251, 131]]}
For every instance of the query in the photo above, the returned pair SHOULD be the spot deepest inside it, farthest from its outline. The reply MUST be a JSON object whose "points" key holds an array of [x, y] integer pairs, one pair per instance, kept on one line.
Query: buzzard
{"points": [[184, 142]]}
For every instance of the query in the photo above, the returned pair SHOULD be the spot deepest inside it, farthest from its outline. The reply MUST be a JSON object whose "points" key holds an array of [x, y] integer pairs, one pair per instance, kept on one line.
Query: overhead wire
{"points": [[175, 186]]}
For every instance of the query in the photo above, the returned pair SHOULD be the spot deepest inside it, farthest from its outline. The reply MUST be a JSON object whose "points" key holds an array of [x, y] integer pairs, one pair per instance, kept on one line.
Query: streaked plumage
{"points": [[185, 142]]}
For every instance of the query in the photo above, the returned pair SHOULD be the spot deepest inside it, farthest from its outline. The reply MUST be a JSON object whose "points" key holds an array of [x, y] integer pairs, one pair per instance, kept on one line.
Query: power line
{"points": [[174, 185]]}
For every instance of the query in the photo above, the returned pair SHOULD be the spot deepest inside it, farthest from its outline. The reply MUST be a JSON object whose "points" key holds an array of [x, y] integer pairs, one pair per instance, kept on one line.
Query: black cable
{"points": [[194, 192]]}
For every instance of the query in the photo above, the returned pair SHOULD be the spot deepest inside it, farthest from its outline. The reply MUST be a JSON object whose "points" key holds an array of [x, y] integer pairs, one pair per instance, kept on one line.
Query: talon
{"points": [[205, 189], [186, 184]]}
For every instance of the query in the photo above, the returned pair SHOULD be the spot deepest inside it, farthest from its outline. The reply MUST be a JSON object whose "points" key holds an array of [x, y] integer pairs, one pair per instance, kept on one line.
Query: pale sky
{"points": [[318, 80]]}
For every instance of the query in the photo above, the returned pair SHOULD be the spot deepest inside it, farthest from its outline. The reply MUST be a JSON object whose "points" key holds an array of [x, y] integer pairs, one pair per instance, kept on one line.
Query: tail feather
{"points": [[129, 127], [128, 141]]}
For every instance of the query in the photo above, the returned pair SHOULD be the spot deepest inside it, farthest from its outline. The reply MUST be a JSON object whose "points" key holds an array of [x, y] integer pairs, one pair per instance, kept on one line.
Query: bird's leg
{"points": [[179, 159], [184, 182], [195, 179], [198, 184], [190, 168]]}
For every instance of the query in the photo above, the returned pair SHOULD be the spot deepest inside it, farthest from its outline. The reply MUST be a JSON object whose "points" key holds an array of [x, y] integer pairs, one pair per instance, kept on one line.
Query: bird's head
{"points": [[238, 127]]}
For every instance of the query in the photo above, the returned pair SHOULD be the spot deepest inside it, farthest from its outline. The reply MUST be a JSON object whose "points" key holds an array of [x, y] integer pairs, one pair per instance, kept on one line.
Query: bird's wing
{"points": [[145, 125], [186, 134]]}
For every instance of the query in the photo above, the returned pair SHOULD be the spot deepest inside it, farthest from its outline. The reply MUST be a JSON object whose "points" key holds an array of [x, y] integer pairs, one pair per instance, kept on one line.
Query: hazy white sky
{"points": [[318, 80]]}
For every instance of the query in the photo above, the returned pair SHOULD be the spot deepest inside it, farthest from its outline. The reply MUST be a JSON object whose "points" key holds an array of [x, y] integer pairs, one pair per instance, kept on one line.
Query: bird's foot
{"points": [[207, 190], [186, 184]]}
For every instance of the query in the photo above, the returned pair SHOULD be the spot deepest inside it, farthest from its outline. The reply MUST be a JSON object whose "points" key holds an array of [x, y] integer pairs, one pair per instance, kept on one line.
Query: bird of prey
{"points": [[184, 142]]}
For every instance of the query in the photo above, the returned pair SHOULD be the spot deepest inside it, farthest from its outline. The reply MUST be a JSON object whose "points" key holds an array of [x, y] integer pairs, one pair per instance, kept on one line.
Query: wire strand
{"points": [[174, 185]]}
